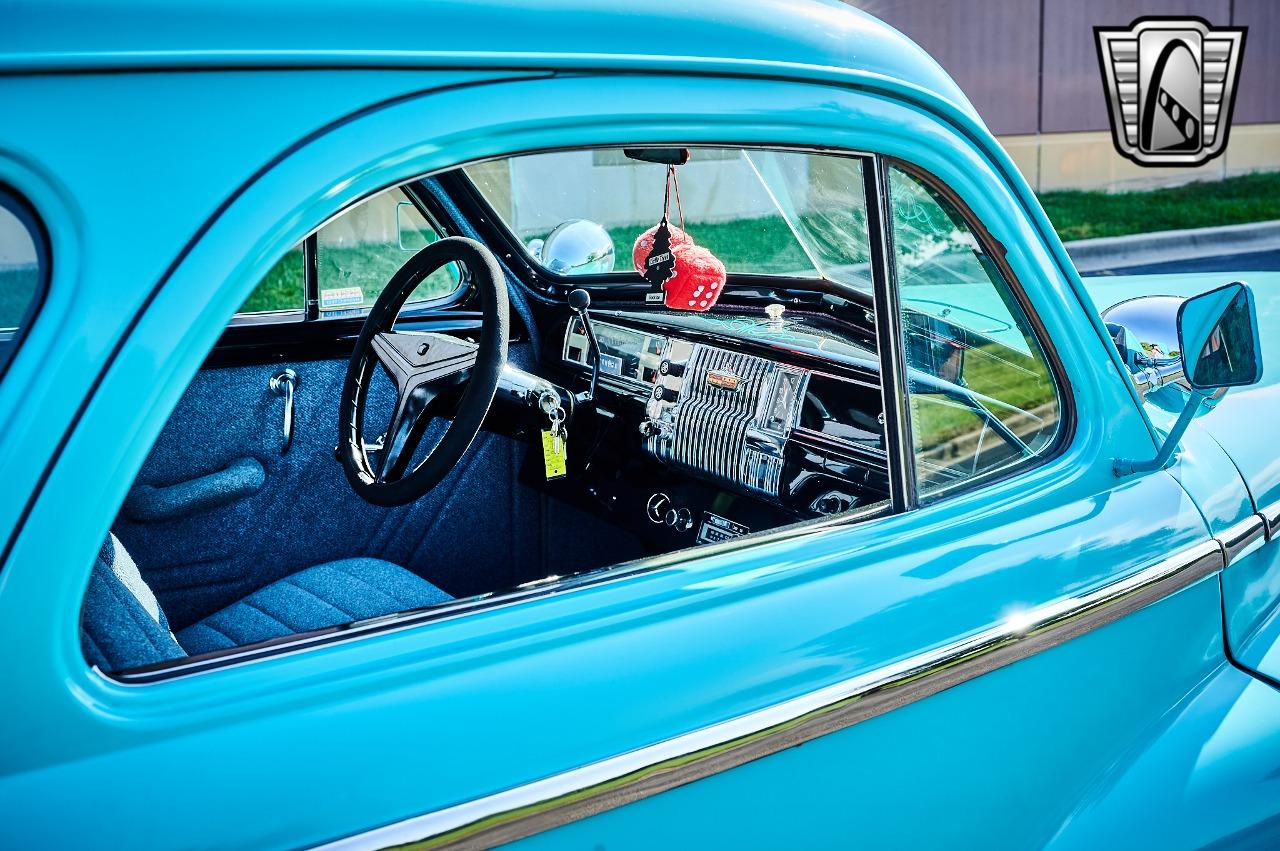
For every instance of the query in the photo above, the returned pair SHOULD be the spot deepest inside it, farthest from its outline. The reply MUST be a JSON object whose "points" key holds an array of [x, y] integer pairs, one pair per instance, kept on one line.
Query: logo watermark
{"points": [[1171, 84]]}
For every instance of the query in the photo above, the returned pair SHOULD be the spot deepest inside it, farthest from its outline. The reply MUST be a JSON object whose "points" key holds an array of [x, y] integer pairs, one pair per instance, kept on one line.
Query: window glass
{"points": [[356, 256], [281, 288], [358, 253], [760, 212], [981, 392], [23, 268]]}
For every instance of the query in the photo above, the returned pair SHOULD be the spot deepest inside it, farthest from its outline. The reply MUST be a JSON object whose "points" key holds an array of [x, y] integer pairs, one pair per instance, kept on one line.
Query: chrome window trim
{"points": [[895, 388], [613, 782]]}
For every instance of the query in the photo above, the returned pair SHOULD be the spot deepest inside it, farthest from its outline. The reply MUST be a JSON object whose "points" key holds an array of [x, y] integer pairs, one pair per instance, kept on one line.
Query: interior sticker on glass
{"points": [[341, 297], [716, 528]]}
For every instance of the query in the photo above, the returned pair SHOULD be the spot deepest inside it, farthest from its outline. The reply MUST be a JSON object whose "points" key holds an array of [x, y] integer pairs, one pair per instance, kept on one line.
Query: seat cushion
{"points": [[326, 595]]}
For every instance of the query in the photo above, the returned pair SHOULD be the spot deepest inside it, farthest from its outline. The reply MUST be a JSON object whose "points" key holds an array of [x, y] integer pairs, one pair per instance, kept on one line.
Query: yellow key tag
{"points": [[554, 454]]}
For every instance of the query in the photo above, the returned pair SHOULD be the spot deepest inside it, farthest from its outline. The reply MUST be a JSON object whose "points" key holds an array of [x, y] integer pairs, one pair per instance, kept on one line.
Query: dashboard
{"points": [[776, 411]]}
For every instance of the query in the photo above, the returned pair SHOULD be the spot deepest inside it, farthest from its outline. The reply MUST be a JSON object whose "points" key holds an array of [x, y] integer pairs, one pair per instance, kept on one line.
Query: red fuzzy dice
{"points": [[644, 244], [698, 281], [699, 275]]}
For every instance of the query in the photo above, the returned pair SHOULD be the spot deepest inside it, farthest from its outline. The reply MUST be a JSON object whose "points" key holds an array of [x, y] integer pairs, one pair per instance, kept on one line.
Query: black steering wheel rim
{"points": [[414, 371]]}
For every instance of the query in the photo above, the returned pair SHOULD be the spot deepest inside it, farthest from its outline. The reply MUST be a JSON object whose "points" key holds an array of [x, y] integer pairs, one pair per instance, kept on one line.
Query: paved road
{"points": [[1260, 261]]}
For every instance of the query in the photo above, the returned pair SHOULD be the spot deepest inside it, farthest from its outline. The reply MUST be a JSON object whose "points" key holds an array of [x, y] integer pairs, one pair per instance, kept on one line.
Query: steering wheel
{"points": [[421, 366]]}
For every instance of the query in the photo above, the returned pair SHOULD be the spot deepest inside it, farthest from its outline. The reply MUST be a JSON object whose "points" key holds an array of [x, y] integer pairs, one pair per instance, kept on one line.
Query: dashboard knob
{"points": [[655, 428], [665, 394], [672, 368], [832, 502], [680, 519]]}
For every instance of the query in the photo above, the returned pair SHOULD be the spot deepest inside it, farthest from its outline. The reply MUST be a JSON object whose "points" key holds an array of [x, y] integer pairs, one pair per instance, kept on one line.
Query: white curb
{"points": [[1113, 252]]}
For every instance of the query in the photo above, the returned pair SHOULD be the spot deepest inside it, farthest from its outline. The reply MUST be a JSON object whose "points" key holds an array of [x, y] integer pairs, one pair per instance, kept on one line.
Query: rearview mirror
{"points": [[1218, 338]]}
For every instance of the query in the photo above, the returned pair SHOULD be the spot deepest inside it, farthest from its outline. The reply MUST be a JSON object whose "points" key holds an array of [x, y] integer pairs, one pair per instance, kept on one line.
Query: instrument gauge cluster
{"points": [[633, 356]]}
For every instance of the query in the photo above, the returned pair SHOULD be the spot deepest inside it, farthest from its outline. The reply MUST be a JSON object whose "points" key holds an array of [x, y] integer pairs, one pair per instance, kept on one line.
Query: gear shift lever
{"points": [[579, 303]]}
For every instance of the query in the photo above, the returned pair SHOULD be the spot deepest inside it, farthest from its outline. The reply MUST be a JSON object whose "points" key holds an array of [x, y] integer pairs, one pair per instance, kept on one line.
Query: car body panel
{"points": [[333, 741], [778, 38], [1237, 424], [1036, 755], [540, 650], [1251, 594]]}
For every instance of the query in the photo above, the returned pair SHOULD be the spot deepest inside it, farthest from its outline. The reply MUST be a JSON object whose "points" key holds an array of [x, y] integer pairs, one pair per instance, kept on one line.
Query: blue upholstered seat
{"points": [[325, 595], [124, 627]]}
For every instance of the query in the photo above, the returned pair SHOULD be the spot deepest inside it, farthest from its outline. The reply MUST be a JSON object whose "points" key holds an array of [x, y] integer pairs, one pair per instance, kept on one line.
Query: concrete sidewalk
{"points": [[1116, 252]]}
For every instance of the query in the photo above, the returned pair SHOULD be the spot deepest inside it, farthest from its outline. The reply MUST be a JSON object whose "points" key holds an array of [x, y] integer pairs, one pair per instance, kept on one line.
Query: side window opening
{"points": [[24, 271], [356, 254], [981, 393]]}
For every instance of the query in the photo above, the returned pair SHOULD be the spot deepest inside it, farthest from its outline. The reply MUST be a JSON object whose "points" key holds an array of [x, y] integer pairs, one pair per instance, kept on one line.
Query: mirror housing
{"points": [[577, 247], [1217, 347], [1145, 333], [1218, 338]]}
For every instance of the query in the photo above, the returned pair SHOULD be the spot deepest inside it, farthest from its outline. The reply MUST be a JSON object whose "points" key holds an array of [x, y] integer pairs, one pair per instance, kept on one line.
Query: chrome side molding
{"points": [[1240, 538], [613, 782], [1270, 515]]}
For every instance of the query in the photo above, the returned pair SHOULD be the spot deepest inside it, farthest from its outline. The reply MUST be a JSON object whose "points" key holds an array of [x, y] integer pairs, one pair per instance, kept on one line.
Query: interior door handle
{"points": [[285, 384]]}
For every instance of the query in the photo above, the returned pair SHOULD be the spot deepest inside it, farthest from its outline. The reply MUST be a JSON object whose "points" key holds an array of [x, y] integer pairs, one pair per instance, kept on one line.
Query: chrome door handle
{"points": [[285, 384]]}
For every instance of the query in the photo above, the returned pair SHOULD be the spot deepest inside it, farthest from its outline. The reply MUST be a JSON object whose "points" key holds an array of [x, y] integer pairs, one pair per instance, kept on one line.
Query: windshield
{"points": [[783, 213]]}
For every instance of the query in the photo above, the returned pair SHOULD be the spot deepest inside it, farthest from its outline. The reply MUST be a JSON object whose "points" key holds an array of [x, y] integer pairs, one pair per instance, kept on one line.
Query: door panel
{"points": [[1072, 748], [479, 530]]}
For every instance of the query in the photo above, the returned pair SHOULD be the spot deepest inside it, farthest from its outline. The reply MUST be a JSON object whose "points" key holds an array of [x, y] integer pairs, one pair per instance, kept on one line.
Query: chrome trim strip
{"points": [[1270, 515], [572, 795], [1240, 538]]}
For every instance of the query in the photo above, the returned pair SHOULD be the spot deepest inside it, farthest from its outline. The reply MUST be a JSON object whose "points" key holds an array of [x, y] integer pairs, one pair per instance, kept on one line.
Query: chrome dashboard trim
{"points": [[625, 380], [613, 782]]}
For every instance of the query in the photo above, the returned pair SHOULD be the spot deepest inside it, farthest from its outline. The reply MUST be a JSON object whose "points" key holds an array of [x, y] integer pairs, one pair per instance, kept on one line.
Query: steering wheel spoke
{"points": [[415, 358], [421, 365]]}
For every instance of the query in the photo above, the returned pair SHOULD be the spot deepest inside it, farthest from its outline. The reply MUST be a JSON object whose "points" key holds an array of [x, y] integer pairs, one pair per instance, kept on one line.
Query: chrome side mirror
{"points": [[1145, 333], [578, 247], [1217, 347]]}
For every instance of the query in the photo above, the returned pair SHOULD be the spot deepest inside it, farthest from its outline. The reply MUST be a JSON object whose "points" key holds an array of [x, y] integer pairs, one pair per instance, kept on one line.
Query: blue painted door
{"points": [[341, 739]]}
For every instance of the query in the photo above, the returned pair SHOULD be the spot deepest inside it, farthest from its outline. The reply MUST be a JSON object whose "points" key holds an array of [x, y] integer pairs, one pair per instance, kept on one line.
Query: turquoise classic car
{"points": [[453, 424]]}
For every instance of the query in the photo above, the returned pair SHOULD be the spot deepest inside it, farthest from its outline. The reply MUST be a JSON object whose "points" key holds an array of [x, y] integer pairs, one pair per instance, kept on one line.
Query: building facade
{"points": [[1031, 69]]}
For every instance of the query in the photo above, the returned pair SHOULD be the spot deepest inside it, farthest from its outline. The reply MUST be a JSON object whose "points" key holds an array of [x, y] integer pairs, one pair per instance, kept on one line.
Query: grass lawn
{"points": [[1237, 200], [369, 267]]}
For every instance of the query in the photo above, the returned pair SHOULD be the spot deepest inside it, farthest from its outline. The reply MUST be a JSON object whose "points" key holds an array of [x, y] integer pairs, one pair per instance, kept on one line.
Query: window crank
{"points": [[285, 384]]}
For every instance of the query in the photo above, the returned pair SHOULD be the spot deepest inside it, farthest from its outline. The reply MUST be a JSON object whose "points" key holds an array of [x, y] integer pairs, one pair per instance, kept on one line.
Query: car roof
{"points": [[780, 38]]}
